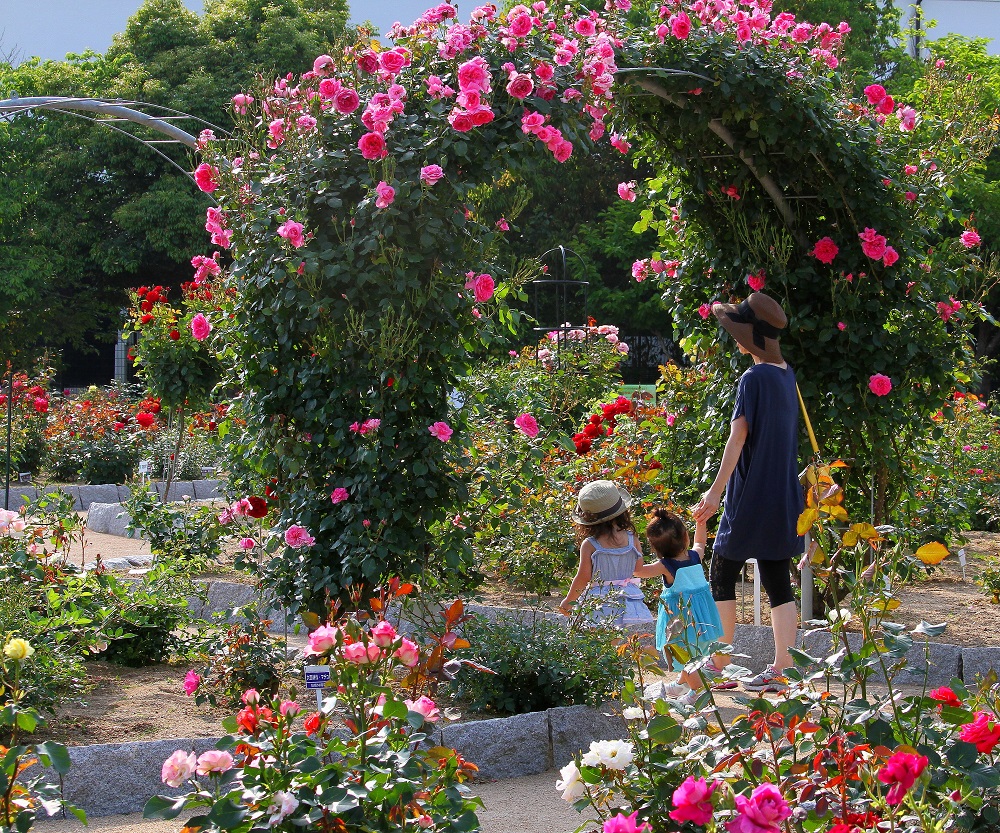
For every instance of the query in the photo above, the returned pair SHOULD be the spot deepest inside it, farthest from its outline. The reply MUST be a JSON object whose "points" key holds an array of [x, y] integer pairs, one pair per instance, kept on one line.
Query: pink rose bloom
{"points": [[520, 86], [383, 634], [276, 133], [762, 812], [907, 118], [474, 75], [346, 101], [206, 177], [872, 243], [361, 654], [247, 543], [532, 122], [503, 225], [585, 27], [901, 771], [292, 232], [910, 170], [626, 190], [970, 238], [298, 536], [200, 327], [322, 639], [680, 26], [889, 256], [372, 146], [442, 431], [693, 800], [626, 824], [705, 310], [386, 194], [756, 281], [339, 495], [191, 682], [825, 250], [841, 326], [527, 425], [460, 121], [984, 731], [408, 653], [431, 174], [305, 123], [215, 760], [178, 768], [519, 25], [288, 708], [875, 93], [322, 64], [620, 144], [879, 384], [885, 106], [242, 102], [483, 287], [393, 60], [425, 706], [909, 196], [563, 150]]}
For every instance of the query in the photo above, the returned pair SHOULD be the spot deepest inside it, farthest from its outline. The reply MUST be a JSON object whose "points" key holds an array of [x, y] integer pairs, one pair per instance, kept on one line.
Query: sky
{"points": [[52, 28]]}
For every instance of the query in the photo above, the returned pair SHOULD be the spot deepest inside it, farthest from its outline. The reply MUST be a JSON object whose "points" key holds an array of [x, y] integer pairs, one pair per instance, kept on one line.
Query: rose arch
{"points": [[364, 273]]}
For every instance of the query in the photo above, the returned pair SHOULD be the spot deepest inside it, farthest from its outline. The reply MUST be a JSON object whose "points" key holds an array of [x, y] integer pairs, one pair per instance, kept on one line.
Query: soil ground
{"points": [[129, 704]]}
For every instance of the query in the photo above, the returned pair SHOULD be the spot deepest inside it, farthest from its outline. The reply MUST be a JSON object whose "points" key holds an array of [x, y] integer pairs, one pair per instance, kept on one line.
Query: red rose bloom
{"points": [[312, 723], [174, 335], [246, 719], [946, 696], [145, 419], [258, 507]]}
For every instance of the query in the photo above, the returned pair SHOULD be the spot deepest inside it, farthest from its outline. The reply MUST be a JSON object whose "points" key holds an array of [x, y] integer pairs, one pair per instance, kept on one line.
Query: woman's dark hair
{"points": [[666, 533], [620, 523]]}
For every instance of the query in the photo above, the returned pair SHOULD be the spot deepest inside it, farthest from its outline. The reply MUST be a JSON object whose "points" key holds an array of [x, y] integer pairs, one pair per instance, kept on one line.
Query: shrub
{"points": [[28, 399], [537, 664], [175, 529]]}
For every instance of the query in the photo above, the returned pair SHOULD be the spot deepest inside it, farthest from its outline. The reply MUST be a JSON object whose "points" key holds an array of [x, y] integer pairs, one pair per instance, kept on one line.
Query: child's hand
{"points": [[564, 608]]}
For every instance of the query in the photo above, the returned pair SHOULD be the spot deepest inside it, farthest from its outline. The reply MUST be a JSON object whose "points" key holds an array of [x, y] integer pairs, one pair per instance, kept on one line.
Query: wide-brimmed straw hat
{"points": [[756, 324], [600, 501]]}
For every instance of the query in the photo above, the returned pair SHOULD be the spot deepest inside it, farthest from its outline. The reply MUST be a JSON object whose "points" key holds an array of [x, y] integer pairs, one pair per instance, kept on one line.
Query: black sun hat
{"points": [[756, 324]]}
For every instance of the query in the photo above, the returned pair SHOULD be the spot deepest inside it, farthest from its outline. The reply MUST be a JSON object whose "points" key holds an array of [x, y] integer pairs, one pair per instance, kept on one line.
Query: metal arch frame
{"points": [[117, 110]]}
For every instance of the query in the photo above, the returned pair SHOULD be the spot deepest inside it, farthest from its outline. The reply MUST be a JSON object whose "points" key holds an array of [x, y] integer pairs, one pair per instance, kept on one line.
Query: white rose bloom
{"points": [[633, 713], [281, 805], [571, 785], [613, 754]]}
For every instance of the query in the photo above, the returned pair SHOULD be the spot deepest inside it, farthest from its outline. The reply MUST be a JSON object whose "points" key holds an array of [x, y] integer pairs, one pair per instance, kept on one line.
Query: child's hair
{"points": [[619, 523], [666, 533]]}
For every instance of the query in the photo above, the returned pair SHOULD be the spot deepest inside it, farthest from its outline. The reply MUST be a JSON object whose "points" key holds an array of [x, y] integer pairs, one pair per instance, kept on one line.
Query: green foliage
{"points": [[238, 656], [86, 212], [175, 529], [537, 664], [989, 580]]}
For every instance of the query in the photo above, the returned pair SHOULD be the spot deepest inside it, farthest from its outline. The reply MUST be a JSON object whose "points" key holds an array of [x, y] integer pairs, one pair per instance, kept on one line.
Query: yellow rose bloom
{"points": [[17, 648]]}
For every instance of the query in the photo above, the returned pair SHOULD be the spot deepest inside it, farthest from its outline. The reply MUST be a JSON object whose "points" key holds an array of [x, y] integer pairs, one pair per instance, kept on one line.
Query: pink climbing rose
{"points": [[705, 310], [680, 26], [386, 194], [626, 190], [756, 281], [482, 286], [442, 431], [292, 232], [431, 174], [200, 327], [872, 243], [970, 238], [298, 537], [825, 250], [206, 177], [527, 425], [879, 384], [339, 495], [889, 256], [372, 146]]}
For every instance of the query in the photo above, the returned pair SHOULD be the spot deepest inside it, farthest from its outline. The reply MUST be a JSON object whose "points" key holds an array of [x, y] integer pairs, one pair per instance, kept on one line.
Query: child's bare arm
{"points": [[709, 503], [643, 570], [700, 536], [584, 574]]}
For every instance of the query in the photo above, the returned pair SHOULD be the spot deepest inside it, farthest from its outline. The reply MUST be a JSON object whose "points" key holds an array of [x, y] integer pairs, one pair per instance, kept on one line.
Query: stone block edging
{"points": [[84, 496]]}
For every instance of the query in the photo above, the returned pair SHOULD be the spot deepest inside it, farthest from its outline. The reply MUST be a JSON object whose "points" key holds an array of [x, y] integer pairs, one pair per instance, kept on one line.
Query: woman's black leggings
{"points": [[775, 578]]}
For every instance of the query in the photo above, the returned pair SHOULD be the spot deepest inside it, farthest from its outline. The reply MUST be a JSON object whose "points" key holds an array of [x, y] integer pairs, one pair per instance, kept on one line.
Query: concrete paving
{"points": [[514, 805]]}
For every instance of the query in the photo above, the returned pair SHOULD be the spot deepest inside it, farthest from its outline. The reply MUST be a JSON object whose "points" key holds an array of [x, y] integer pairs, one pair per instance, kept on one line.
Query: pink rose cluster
{"points": [[205, 268], [535, 124], [381, 642], [474, 82], [181, 766], [216, 221], [884, 105], [946, 309], [367, 427], [874, 245]]}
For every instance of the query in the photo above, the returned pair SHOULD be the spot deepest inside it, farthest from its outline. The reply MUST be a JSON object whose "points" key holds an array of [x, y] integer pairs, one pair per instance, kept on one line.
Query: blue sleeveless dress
{"points": [[613, 570], [690, 599]]}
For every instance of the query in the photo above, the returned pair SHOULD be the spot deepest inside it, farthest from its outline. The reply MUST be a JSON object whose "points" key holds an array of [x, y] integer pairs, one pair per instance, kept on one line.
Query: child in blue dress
{"points": [[686, 597], [609, 556]]}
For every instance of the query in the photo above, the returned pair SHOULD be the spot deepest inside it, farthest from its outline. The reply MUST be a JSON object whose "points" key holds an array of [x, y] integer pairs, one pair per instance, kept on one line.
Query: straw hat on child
{"points": [[600, 501]]}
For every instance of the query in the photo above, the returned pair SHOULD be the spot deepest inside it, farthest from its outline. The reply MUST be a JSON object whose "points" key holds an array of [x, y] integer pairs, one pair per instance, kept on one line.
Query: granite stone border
{"points": [[107, 493]]}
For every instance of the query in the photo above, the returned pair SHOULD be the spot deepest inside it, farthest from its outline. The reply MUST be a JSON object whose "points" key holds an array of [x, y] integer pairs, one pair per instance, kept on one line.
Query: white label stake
{"points": [[961, 560]]}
